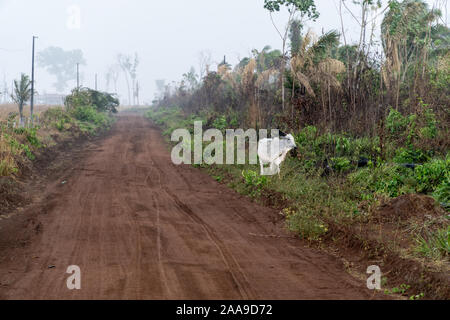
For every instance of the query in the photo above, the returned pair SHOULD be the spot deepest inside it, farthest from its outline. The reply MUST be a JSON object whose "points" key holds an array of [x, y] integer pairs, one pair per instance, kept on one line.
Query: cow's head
{"points": [[290, 141]]}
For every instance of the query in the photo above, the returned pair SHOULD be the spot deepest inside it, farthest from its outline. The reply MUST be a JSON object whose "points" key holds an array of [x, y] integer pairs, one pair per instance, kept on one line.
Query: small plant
{"points": [[60, 125], [431, 174], [220, 123], [254, 182], [343, 146], [31, 136], [28, 152], [417, 296], [435, 245], [396, 123], [442, 193], [398, 290], [429, 129], [21, 94], [341, 164]]}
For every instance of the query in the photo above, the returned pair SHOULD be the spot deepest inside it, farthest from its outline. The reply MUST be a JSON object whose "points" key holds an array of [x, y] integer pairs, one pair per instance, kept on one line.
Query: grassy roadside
{"points": [[86, 112], [384, 213], [20, 146]]}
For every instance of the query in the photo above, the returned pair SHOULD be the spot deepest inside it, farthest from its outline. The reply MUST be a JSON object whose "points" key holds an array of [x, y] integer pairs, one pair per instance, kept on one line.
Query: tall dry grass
{"points": [[8, 164], [6, 109]]}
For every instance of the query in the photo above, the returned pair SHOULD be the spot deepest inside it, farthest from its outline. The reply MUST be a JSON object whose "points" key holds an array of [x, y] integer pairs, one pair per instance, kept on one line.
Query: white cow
{"points": [[274, 152]]}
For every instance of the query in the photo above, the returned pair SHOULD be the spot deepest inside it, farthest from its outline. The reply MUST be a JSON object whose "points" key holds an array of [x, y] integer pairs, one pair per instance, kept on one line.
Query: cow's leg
{"points": [[262, 166], [271, 168]]}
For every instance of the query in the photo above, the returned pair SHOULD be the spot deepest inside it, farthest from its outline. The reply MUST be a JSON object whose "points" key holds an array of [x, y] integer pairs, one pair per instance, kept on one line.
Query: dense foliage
{"points": [[101, 101]]}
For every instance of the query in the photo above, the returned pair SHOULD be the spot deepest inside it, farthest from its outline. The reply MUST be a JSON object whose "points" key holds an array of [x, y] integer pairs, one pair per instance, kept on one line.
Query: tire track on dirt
{"points": [[229, 260], [236, 272]]}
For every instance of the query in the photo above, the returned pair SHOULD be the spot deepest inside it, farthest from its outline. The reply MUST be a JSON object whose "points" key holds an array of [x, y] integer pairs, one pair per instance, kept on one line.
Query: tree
{"points": [[306, 9], [406, 36], [129, 65], [267, 58], [204, 62], [21, 94], [61, 64], [126, 65], [133, 75], [356, 67], [191, 79], [112, 75], [295, 36], [312, 64], [160, 87]]}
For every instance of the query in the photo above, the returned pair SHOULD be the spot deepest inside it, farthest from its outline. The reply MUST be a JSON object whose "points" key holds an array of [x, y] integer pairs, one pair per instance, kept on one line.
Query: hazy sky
{"points": [[167, 35]]}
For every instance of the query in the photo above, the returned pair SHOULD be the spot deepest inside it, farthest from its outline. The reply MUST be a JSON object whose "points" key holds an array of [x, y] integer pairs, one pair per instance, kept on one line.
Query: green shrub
{"points": [[306, 224], [234, 120], [60, 125], [31, 136], [315, 148], [414, 127], [254, 182], [341, 164], [429, 131], [343, 146], [431, 174], [396, 123], [220, 123], [90, 114], [18, 148], [442, 193], [410, 155], [391, 180], [101, 101]]}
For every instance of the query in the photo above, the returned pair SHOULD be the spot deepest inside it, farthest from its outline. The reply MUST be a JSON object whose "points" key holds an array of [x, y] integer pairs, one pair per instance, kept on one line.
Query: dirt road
{"points": [[140, 227]]}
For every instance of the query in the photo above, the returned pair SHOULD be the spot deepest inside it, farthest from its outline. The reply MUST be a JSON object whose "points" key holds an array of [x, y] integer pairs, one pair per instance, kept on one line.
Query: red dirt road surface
{"points": [[140, 227]]}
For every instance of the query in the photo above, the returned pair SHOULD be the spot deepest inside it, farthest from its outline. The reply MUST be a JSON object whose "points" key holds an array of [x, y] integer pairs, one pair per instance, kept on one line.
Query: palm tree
{"points": [[312, 65], [21, 94], [407, 36]]}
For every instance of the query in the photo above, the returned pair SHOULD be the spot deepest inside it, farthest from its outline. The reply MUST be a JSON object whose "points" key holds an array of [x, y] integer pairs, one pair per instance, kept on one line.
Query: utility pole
{"points": [[78, 76], [32, 82]]}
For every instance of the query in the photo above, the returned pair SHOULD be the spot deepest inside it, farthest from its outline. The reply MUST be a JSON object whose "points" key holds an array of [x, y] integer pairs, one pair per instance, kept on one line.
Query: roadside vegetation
{"points": [[86, 112], [371, 177]]}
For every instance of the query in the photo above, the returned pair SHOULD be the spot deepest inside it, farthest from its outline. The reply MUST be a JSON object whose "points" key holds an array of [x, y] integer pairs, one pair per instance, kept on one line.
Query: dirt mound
{"points": [[410, 206]]}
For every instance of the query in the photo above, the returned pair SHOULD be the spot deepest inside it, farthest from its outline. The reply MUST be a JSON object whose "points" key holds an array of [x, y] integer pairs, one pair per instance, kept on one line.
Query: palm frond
{"points": [[324, 43], [303, 79], [331, 66]]}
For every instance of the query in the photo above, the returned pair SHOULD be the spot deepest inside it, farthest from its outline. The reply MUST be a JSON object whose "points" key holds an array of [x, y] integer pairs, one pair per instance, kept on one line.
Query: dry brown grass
{"points": [[6, 109], [7, 162]]}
